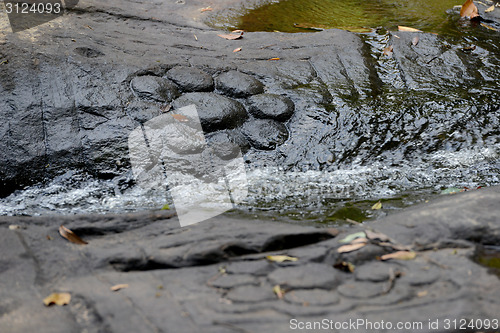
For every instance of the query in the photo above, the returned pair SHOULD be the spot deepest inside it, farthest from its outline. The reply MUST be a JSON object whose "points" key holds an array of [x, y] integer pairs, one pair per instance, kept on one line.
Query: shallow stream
{"points": [[328, 197]]}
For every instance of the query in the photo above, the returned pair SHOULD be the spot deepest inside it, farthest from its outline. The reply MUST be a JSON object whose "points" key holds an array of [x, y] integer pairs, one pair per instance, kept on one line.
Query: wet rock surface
{"points": [[216, 112], [265, 134], [271, 106], [191, 79], [154, 88], [237, 84], [353, 105], [214, 276]]}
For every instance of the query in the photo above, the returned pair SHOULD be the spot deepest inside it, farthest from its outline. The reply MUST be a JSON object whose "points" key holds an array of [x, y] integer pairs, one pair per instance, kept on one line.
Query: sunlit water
{"points": [[353, 15], [312, 196]]}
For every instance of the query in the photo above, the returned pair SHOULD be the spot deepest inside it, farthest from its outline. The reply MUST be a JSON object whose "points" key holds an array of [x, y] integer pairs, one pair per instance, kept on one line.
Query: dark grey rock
{"points": [[142, 111], [257, 267], [228, 144], [308, 276], [271, 106], [233, 280], [237, 84], [251, 294], [265, 134], [374, 271], [191, 79], [216, 112], [362, 289], [154, 88], [312, 297], [176, 275]]}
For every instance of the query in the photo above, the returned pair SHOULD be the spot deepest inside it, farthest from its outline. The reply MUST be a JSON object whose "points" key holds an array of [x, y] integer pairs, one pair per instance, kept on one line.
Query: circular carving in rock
{"points": [[308, 276], [313, 296], [154, 88], [191, 79], [216, 112], [237, 84], [271, 106], [265, 134]]}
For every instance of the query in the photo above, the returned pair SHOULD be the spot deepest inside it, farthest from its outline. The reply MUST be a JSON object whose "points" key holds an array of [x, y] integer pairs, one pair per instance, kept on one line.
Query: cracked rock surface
{"points": [[214, 276]]}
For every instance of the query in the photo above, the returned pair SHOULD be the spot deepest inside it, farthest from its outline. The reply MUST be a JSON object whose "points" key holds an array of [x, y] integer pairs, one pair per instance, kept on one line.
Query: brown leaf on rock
{"points": [[238, 31], [57, 299], [345, 266], [378, 205], [415, 40], [401, 255], [488, 27], [180, 117], [373, 235], [281, 258], [206, 9], [403, 28], [117, 287], [388, 50], [350, 247], [237, 50], [469, 9], [230, 36], [489, 9], [359, 240], [278, 291], [70, 235], [274, 59]]}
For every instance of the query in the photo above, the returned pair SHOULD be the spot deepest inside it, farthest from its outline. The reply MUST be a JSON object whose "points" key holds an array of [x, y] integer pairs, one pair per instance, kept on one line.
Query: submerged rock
{"points": [[265, 134]]}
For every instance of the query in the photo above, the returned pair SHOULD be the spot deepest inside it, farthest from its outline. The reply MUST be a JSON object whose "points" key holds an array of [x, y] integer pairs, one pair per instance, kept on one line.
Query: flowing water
{"points": [[326, 197]]}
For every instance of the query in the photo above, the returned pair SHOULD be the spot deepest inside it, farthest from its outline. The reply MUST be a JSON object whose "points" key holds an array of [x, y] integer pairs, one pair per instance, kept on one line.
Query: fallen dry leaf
{"points": [[117, 287], [469, 9], [388, 52], [359, 240], [373, 235], [237, 50], [181, 118], [281, 258], [415, 41], [401, 255], [422, 293], [14, 227], [232, 36], [378, 205], [489, 9], [351, 237], [488, 27], [57, 299], [345, 266], [70, 235], [278, 291], [350, 247], [206, 9], [403, 28], [238, 31], [274, 59]]}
